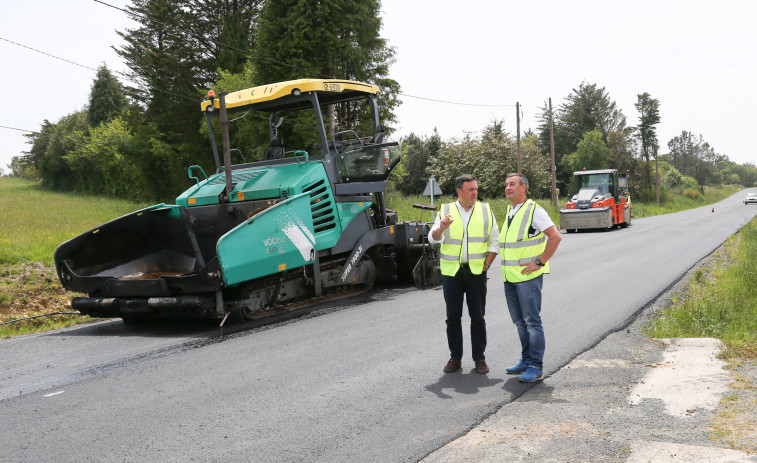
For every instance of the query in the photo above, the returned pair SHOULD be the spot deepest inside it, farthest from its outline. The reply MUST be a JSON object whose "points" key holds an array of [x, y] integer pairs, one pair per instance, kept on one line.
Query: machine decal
{"points": [[353, 262], [331, 87], [299, 234]]}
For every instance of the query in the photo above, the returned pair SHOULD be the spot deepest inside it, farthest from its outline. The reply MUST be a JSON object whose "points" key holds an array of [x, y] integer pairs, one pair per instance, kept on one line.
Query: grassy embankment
{"points": [[34, 221], [721, 302]]}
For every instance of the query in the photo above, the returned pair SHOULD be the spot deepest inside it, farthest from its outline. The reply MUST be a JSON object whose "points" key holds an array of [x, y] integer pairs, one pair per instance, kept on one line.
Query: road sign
{"points": [[432, 189]]}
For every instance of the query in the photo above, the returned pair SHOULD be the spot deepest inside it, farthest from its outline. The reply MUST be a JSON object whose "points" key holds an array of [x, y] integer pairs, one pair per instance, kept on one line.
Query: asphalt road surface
{"points": [[357, 381]]}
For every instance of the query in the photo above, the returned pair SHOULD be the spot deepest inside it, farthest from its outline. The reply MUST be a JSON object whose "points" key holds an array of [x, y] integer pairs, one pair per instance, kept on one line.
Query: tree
{"points": [[170, 70], [225, 29], [99, 166], [496, 129], [591, 153], [232, 57], [50, 146], [746, 172], [693, 156], [490, 159], [20, 167], [649, 117], [587, 108], [173, 57], [417, 154], [106, 100], [328, 39]]}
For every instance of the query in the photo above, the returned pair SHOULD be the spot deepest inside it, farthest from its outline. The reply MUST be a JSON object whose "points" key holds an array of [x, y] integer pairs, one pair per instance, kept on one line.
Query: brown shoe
{"points": [[452, 365], [481, 366]]}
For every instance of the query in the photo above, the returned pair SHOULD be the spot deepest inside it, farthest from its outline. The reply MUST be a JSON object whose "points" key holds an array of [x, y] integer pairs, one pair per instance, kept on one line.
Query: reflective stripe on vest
{"points": [[479, 227], [516, 248]]}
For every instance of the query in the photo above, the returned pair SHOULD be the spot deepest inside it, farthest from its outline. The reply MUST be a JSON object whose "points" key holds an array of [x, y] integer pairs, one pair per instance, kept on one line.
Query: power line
{"points": [[48, 54], [457, 103], [123, 75], [14, 128]]}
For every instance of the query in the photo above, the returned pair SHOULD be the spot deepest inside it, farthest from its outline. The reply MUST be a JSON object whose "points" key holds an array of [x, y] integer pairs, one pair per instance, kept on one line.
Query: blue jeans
{"points": [[524, 303], [473, 287]]}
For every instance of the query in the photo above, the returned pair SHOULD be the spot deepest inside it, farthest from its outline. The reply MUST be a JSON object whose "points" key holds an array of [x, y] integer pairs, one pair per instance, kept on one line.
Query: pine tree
{"points": [[649, 117], [106, 100], [225, 31], [327, 39]]}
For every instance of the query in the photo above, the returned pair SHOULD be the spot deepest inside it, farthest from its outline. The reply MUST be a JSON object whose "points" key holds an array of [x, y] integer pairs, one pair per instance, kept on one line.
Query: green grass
{"points": [[682, 202], [41, 324], [34, 221], [720, 301]]}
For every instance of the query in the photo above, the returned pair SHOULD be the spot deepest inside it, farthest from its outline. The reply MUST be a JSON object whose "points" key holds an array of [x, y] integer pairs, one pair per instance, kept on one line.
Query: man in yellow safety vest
{"points": [[469, 235], [528, 240]]}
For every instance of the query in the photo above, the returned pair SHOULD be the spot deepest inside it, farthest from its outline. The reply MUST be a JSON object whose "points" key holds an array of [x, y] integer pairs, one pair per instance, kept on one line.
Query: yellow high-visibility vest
{"points": [[479, 227], [516, 247]]}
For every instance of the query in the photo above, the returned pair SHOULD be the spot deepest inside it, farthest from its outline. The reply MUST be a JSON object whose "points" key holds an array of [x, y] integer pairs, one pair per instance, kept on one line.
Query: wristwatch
{"points": [[486, 266], [539, 262]]}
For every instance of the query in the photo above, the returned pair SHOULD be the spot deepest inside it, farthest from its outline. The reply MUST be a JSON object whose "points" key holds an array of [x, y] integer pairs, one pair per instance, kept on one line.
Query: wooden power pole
{"points": [[552, 150], [517, 118]]}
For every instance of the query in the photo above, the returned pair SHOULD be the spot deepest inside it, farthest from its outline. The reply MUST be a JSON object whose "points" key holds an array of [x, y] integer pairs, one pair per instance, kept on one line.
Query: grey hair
{"points": [[523, 179]]}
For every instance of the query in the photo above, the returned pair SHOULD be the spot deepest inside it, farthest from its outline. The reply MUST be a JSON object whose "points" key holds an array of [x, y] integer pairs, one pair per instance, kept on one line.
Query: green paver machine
{"points": [[257, 234]]}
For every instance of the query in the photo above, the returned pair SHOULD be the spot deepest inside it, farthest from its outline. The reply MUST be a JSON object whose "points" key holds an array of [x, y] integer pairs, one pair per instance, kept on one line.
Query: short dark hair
{"points": [[523, 179], [462, 179]]}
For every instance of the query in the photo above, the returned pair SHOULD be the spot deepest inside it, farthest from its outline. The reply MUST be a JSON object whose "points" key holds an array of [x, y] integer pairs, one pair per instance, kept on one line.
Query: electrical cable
{"points": [[125, 76], [456, 103], [48, 54], [38, 316], [14, 128]]}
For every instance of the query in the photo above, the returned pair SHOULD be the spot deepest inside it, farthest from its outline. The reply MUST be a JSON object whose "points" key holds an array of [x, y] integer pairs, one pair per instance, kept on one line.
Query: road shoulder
{"points": [[630, 398]]}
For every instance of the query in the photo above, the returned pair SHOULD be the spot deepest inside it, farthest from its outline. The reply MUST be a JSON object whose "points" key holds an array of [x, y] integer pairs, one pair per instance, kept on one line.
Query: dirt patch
{"points": [[31, 289], [735, 425]]}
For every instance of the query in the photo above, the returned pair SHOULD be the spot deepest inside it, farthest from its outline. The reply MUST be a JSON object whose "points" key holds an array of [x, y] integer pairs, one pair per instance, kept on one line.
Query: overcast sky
{"points": [[698, 58]]}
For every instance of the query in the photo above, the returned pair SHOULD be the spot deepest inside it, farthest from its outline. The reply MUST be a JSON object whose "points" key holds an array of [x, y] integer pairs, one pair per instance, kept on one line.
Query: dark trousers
{"points": [[473, 288]]}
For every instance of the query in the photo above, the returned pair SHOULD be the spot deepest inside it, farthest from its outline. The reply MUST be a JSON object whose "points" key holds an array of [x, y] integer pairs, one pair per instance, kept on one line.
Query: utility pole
{"points": [[552, 150], [657, 175], [517, 118]]}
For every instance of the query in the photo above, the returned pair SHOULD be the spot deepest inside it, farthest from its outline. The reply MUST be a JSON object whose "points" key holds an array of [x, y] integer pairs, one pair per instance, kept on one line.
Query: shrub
{"points": [[691, 193]]}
